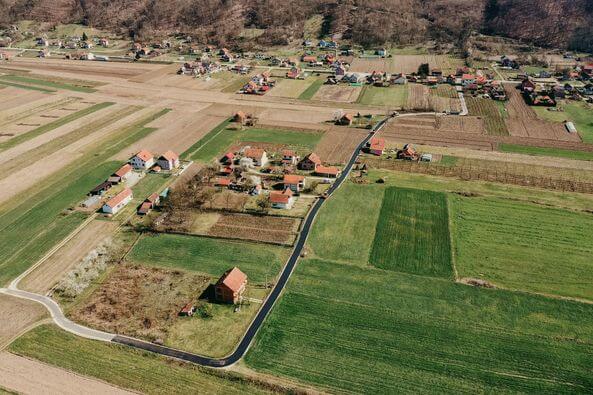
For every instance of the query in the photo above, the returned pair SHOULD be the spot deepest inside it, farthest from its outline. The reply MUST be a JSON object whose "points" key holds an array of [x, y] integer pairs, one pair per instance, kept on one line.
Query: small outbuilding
{"points": [[231, 286]]}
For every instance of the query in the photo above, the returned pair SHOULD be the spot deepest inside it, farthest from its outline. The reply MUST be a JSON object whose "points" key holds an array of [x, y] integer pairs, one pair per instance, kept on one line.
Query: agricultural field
{"points": [[493, 113], [291, 88], [125, 367], [412, 233], [312, 89], [542, 151], [406, 63], [338, 143], [269, 229], [17, 316], [579, 113], [52, 84], [522, 246], [392, 97], [338, 93]]}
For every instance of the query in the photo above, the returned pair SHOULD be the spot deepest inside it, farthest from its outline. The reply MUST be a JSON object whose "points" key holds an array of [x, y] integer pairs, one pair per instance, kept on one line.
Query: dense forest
{"points": [[556, 23]]}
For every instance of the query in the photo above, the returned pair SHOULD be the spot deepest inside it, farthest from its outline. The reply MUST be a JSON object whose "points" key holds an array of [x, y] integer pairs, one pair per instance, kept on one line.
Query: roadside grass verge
{"points": [[220, 138], [523, 246], [31, 226], [312, 89], [210, 256], [53, 125], [126, 367], [421, 334], [412, 233], [27, 87], [394, 96], [540, 151], [29, 81]]}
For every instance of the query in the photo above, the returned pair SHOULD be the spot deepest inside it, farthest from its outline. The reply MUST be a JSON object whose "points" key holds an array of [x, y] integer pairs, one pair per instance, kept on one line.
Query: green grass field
{"points": [[53, 125], [579, 113], [540, 151], [220, 138], [394, 96], [524, 246], [210, 256], [365, 330], [312, 89], [125, 367], [32, 225], [412, 233], [37, 82]]}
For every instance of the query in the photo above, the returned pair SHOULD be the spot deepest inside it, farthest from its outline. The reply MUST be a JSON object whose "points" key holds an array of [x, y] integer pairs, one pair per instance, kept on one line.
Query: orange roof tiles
{"points": [[144, 155], [281, 197], [170, 156], [120, 197], [293, 179], [125, 169], [233, 279]]}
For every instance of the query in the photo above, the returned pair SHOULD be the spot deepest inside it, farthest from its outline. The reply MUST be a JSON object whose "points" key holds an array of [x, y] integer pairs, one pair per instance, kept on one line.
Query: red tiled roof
{"points": [[377, 143], [327, 170], [144, 155], [145, 208], [229, 155], [120, 197], [153, 198], [233, 279], [225, 182], [288, 152], [468, 77], [254, 153], [293, 179], [125, 169], [314, 158], [170, 156], [281, 197]]}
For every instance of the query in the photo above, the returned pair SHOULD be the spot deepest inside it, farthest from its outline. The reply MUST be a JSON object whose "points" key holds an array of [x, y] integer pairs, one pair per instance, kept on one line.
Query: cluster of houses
{"points": [[142, 161], [140, 50], [241, 171], [547, 94], [204, 66], [258, 85]]}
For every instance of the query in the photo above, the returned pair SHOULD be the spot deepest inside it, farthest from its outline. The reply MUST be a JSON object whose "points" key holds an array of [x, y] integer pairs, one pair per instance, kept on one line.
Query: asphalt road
{"points": [[64, 323]]}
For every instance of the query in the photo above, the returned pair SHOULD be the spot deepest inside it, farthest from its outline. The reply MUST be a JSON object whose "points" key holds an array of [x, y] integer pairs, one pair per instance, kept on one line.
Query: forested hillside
{"points": [[558, 23]]}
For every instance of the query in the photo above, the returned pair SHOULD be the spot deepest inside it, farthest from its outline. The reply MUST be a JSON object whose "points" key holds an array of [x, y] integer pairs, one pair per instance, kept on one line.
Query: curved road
{"points": [[246, 341]]}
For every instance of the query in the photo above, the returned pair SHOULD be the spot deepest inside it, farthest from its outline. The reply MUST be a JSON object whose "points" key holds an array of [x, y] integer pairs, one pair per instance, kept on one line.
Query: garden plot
{"points": [[338, 93], [290, 88], [491, 112], [405, 63], [270, 229], [338, 144]]}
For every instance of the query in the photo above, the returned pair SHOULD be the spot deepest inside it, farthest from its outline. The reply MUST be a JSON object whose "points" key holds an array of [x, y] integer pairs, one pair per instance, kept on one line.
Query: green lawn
{"points": [[220, 138], [31, 224], [151, 183], [125, 367], [412, 233], [345, 227], [365, 330], [394, 96], [580, 114], [312, 89], [53, 125], [210, 256], [47, 83], [524, 246], [539, 151]]}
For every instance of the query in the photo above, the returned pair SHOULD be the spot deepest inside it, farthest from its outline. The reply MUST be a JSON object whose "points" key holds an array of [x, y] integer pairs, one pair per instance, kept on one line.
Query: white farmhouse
{"points": [[118, 202], [143, 160]]}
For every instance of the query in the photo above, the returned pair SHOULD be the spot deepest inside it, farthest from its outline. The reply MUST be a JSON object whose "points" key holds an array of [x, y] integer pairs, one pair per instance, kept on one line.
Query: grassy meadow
{"points": [[125, 367], [579, 113], [52, 85], [542, 151], [312, 89], [210, 256], [394, 96], [412, 233]]}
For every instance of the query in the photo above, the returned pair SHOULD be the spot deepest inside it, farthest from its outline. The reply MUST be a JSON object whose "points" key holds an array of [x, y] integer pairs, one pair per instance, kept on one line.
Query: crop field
{"points": [[32, 107], [221, 138], [542, 151], [579, 113], [392, 97], [337, 144], [312, 89], [493, 114], [256, 228], [338, 93], [524, 246], [125, 367], [291, 88], [55, 84], [17, 315], [406, 63], [210, 256], [412, 233]]}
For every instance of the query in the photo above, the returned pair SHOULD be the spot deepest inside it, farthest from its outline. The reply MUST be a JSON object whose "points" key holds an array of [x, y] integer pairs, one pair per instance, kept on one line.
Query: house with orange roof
{"points": [[327, 171], [143, 160], [151, 202], [310, 162], [168, 161], [294, 182], [282, 200], [289, 157], [227, 158], [376, 146], [222, 182], [118, 202], [121, 175], [259, 156], [230, 287]]}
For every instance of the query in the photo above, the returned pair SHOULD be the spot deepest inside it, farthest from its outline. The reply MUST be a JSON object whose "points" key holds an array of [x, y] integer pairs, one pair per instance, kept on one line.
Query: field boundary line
{"points": [[451, 243]]}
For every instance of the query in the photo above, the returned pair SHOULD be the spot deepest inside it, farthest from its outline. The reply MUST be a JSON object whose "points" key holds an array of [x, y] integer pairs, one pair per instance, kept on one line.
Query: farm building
{"points": [[570, 127], [118, 202], [122, 174], [376, 146], [294, 182], [151, 202], [408, 153], [327, 171], [227, 158], [142, 160], [223, 182], [168, 161], [309, 162], [282, 200], [257, 155], [100, 189], [289, 157], [231, 286], [345, 120]]}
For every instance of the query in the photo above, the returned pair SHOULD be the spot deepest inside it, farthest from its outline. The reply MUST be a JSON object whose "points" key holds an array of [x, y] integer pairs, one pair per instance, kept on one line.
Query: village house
{"points": [[231, 286], [227, 159], [121, 174], [151, 202], [116, 203], [407, 153], [282, 200], [143, 160], [309, 59], [345, 120], [309, 162], [327, 171], [399, 79], [168, 161], [294, 182], [376, 146], [294, 73], [223, 182], [100, 189], [257, 155], [289, 157], [527, 85], [468, 79]]}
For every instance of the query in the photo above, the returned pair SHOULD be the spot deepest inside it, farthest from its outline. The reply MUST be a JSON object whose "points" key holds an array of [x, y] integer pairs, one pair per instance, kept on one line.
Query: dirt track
{"points": [[27, 376]]}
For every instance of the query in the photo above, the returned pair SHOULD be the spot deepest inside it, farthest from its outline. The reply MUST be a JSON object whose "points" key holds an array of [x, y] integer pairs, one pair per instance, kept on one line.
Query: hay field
{"points": [[405, 63], [338, 93]]}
